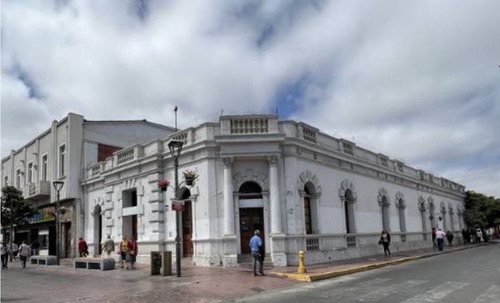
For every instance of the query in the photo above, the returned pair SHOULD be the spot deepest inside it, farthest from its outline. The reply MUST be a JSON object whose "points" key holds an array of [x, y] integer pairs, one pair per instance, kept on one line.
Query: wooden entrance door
{"points": [[187, 229], [250, 220]]}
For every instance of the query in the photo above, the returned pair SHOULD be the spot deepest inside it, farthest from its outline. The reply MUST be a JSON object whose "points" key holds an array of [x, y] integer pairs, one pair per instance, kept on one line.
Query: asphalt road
{"points": [[469, 276]]}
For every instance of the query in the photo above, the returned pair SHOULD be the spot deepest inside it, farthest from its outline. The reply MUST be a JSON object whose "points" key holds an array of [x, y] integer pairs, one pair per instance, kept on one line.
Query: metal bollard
{"points": [[302, 268]]}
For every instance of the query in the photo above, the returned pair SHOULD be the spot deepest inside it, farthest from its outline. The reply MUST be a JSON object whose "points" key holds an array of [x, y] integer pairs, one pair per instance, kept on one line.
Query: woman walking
{"points": [[385, 240]]}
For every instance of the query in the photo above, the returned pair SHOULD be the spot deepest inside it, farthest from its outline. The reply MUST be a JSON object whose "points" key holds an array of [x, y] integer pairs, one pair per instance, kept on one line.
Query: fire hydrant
{"points": [[302, 268]]}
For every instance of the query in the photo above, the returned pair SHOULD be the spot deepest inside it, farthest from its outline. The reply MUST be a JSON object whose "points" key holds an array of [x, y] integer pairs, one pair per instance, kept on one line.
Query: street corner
{"points": [[293, 276]]}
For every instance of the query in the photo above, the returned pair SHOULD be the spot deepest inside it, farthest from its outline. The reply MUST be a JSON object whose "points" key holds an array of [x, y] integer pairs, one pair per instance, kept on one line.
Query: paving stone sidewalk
{"points": [[197, 284]]}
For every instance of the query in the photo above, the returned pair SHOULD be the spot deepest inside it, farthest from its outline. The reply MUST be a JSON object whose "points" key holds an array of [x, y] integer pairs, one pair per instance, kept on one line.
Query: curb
{"points": [[347, 271]]}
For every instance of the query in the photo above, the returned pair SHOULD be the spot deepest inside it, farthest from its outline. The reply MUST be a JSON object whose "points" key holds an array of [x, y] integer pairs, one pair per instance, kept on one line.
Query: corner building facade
{"points": [[303, 189], [62, 153]]}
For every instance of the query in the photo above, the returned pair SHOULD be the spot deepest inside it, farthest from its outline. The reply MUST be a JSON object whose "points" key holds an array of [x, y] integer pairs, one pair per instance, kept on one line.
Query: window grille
{"points": [[312, 244], [309, 135], [348, 149], [351, 241]]}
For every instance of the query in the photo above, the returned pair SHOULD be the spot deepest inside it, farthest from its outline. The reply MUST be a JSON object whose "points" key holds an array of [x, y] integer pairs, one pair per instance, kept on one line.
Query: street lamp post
{"points": [[175, 147], [57, 187]]}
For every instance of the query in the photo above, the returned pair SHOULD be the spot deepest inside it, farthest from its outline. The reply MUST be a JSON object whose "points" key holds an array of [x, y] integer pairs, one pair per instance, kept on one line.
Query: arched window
{"points": [[443, 216], [421, 208], [384, 203], [309, 209], [431, 212], [349, 211], [250, 190], [401, 212], [452, 220], [385, 214]]}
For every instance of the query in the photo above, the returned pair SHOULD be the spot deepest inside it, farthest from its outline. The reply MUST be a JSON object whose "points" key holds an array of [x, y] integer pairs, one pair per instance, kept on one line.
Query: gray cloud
{"points": [[418, 81]]}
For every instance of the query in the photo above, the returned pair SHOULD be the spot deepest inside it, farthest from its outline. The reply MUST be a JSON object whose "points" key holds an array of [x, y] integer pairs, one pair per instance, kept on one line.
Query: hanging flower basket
{"points": [[190, 176], [163, 184]]}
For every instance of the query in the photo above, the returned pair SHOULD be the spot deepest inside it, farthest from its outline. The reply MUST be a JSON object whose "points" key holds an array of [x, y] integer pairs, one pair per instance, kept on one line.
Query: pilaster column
{"points": [[228, 197], [274, 195]]}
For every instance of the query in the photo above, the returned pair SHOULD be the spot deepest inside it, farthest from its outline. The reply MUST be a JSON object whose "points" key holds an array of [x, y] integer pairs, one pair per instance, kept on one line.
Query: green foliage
{"points": [[15, 210], [481, 211]]}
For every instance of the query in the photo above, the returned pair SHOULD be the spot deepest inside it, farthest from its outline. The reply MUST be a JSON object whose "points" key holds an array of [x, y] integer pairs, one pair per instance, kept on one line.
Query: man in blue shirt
{"points": [[256, 247]]}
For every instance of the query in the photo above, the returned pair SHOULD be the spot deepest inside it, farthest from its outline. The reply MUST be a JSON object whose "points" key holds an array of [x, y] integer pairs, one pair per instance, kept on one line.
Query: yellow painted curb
{"points": [[341, 272]]}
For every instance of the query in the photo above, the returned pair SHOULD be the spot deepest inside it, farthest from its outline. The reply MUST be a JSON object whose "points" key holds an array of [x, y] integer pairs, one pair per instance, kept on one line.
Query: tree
{"points": [[15, 210], [481, 211]]}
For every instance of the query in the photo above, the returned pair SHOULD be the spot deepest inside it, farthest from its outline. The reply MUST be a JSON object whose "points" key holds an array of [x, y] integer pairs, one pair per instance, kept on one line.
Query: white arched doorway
{"points": [[97, 230], [251, 212]]}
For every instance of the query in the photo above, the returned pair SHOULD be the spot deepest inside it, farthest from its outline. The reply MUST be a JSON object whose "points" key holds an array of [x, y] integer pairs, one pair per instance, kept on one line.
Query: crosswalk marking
{"points": [[377, 289], [349, 291], [383, 292], [436, 293], [492, 295]]}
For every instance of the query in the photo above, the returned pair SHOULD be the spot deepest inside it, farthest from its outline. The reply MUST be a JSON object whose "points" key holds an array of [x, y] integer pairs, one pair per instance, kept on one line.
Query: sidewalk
{"points": [[206, 284], [330, 270]]}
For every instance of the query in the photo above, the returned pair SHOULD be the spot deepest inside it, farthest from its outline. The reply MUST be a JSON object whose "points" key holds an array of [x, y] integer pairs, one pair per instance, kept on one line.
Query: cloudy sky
{"points": [[416, 80]]}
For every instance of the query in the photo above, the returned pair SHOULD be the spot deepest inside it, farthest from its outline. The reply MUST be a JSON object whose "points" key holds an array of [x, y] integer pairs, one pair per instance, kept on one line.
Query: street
{"points": [[469, 276]]}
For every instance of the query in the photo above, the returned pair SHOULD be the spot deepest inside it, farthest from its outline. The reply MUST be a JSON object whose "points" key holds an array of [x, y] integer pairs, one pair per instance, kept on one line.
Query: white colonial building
{"points": [[304, 190], [62, 153]]}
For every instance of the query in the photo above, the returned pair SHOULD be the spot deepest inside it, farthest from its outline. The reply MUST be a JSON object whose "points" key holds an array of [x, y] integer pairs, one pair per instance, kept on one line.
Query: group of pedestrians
{"points": [[12, 251], [128, 252], [127, 249]]}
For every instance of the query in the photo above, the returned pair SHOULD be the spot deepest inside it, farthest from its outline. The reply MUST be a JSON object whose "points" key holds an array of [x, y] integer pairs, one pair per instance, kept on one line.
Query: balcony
{"points": [[37, 190]]}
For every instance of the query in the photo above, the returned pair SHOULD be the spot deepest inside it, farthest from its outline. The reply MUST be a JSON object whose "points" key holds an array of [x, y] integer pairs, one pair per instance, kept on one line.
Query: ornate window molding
{"points": [[400, 200], [306, 177], [430, 200], [253, 176], [443, 207], [421, 204], [344, 186], [450, 209], [380, 198]]}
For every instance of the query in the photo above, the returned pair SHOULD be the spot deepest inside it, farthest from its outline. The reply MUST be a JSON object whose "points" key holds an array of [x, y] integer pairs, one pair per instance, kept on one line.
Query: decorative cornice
{"points": [[273, 161], [228, 162]]}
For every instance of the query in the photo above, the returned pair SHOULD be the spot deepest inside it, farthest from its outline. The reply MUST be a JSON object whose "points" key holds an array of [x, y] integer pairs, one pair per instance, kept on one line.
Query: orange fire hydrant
{"points": [[302, 268]]}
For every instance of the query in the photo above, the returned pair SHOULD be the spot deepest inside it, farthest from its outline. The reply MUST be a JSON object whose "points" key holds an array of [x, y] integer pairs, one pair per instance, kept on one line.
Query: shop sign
{"points": [[43, 215]]}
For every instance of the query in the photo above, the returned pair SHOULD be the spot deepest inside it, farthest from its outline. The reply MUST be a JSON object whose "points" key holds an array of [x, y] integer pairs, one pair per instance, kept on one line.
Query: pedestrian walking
{"points": [[5, 255], [15, 250], [123, 251], [24, 253], [35, 247], [83, 249], [440, 239], [475, 237], [449, 237], [385, 240], [464, 236], [257, 253], [108, 246], [132, 252]]}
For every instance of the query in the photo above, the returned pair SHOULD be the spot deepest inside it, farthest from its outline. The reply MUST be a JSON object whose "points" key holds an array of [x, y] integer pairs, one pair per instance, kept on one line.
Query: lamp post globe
{"points": [[57, 187], [175, 147]]}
